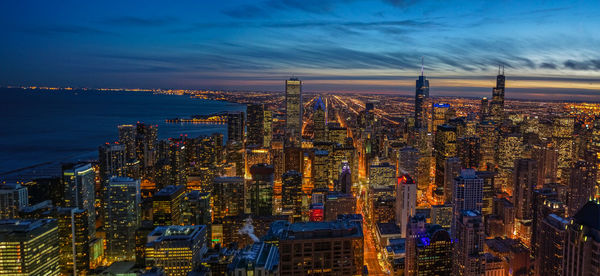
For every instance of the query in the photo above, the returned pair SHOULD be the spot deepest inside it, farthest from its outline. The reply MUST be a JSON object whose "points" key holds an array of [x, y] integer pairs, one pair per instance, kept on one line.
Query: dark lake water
{"points": [[59, 126]]}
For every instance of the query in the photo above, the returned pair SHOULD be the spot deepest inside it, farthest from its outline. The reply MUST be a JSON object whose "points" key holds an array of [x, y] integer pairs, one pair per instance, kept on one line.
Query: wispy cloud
{"points": [[64, 29], [132, 21]]}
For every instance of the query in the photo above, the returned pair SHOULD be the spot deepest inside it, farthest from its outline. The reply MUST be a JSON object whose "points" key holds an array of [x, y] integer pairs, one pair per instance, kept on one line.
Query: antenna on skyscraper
{"points": [[422, 58], [502, 70], [499, 69]]}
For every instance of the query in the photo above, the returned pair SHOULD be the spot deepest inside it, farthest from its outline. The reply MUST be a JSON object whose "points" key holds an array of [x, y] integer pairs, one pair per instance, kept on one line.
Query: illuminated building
{"points": [[582, 242], [13, 198], [196, 208], [257, 259], [510, 148], [176, 249], [111, 158], [235, 127], [344, 183], [267, 128], [468, 150], [236, 155], [122, 217], [254, 156], [421, 97], [408, 162], [243, 230], [146, 141], [293, 159], [515, 255], [581, 186], [546, 157], [488, 139], [293, 111], [29, 247], [127, 138], [336, 133], [74, 241], [525, 178], [467, 195], [383, 209], [316, 212], [320, 172], [549, 254], [201, 180], [494, 266], [386, 233], [406, 202], [255, 125], [452, 170], [320, 121], [167, 205], [278, 158], [484, 109], [505, 211], [291, 194], [40, 189], [469, 245], [305, 248], [440, 114], [228, 197], [497, 103], [442, 215], [489, 191], [445, 147], [337, 203], [382, 175], [545, 203], [79, 190], [141, 238], [261, 190]]}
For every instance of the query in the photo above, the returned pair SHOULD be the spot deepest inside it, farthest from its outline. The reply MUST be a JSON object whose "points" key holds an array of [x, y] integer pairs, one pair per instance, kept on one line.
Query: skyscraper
{"points": [[79, 185], [228, 197], [428, 249], [146, 141], [261, 190], [582, 242], [445, 147], [467, 195], [581, 186], [334, 247], [320, 121], [525, 181], [549, 255], [497, 103], [167, 206], [13, 197], [469, 246], [74, 241], [176, 249], [235, 127], [406, 202], [29, 247], [421, 96], [291, 194], [122, 217], [293, 111], [127, 138], [112, 159], [255, 124]]}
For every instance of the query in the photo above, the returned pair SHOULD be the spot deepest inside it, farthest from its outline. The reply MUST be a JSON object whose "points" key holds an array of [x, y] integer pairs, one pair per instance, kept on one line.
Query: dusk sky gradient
{"points": [[551, 49]]}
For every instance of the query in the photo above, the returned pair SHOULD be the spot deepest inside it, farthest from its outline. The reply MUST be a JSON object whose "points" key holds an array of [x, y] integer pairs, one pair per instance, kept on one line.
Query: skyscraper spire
{"points": [[499, 69], [502, 70], [422, 73]]}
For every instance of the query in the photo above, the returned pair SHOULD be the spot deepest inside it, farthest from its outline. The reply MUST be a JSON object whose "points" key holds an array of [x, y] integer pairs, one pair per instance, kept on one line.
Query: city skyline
{"points": [[333, 46]]}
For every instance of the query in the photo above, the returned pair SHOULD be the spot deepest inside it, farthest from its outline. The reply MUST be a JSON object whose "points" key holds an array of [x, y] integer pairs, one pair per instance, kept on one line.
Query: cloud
{"points": [[593, 64], [548, 65]]}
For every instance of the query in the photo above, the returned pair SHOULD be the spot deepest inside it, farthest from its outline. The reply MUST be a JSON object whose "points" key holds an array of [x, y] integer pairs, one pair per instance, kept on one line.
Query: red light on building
{"points": [[316, 212]]}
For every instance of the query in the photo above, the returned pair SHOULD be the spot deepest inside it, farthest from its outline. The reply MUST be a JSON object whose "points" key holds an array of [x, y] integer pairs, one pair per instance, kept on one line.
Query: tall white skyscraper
{"points": [[406, 201], [467, 195], [79, 190]]}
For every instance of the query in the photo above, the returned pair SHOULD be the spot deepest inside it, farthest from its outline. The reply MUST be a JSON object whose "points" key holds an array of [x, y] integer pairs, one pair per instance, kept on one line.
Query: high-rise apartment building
{"points": [[13, 197], [176, 249], [467, 195], [469, 244], [167, 206], [122, 217], [582, 242], [235, 127], [79, 190], [127, 134], [228, 197], [261, 190], [406, 202]]}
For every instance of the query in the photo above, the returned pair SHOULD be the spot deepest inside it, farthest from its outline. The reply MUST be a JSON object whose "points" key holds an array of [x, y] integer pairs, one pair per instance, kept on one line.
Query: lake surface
{"points": [[60, 126]]}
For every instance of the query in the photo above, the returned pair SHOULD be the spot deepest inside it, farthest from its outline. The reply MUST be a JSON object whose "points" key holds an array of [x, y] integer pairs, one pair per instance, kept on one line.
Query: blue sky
{"points": [[550, 48]]}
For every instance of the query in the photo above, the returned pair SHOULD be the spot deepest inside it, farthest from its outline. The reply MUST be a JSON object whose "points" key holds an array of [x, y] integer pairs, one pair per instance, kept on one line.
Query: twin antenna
{"points": [[422, 66], [500, 66]]}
